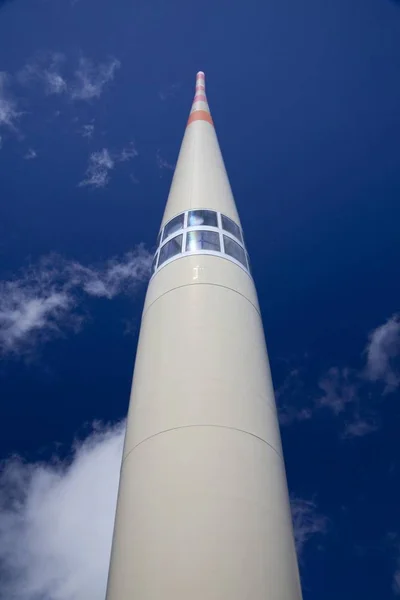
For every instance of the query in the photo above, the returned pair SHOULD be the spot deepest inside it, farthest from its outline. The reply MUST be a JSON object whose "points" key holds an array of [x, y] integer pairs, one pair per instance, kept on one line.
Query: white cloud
{"points": [[32, 307], [97, 173], [162, 163], [46, 69], [104, 161], [396, 583], [307, 522], [53, 80], [127, 153], [56, 522], [31, 154], [346, 391], [393, 544], [87, 82], [90, 79], [339, 390], [170, 91], [116, 277], [55, 84], [8, 106], [295, 409], [382, 350], [133, 178], [360, 426], [42, 302], [87, 130]]}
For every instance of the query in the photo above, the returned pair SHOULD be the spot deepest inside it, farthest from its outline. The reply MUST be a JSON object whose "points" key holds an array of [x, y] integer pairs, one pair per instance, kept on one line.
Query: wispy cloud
{"points": [[171, 91], [162, 163], [359, 426], [87, 82], [392, 545], [31, 154], [46, 69], [97, 173], [346, 392], [102, 162], [396, 582], [42, 302], [382, 351], [9, 114], [291, 399], [340, 389], [117, 276], [127, 153], [307, 522], [90, 79], [56, 521], [87, 130]]}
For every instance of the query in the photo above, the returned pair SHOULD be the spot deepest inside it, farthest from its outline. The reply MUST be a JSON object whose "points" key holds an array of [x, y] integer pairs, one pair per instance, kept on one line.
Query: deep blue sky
{"points": [[306, 101]]}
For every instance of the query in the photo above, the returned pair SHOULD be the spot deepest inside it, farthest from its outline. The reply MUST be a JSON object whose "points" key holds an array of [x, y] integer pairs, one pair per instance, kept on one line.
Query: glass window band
{"points": [[192, 227]]}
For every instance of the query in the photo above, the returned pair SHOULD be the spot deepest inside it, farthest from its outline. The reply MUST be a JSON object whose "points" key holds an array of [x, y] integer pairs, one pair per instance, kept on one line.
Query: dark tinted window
{"points": [[174, 225], [170, 249], [154, 263], [231, 227], [248, 262], [233, 249], [202, 217]]}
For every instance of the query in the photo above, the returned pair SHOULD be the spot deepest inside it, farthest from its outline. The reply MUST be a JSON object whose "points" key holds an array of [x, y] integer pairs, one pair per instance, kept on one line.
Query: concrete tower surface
{"points": [[203, 510]]}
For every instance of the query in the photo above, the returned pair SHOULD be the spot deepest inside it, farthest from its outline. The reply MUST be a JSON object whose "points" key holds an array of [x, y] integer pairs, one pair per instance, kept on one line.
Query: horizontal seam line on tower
{"points": [[226, 287], [201, 425]]}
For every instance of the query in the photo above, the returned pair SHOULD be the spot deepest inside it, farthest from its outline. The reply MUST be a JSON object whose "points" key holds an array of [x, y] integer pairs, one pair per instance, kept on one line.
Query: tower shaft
{"points": [[203, 510]]}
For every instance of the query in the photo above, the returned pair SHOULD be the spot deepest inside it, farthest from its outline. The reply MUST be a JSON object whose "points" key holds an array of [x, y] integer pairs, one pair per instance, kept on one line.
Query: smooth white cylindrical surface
{"points": [[200, 179], [203, 507]]}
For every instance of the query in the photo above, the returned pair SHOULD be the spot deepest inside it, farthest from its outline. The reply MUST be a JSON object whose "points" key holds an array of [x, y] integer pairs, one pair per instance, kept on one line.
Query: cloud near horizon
{"points": [[41, 303], [56, 521]]}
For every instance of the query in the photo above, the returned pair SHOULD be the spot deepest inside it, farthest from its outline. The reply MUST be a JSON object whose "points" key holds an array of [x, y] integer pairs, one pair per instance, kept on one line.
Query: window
{"points": [[154, 263], [170, 249], [202, 240], [200, 231], [231, 227], [248, 262], [174, 225], [233, 249], [202, 217]]}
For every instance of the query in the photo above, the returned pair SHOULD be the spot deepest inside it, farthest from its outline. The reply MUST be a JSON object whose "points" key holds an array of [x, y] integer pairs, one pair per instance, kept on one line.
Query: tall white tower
{"points": [[203, 510]]}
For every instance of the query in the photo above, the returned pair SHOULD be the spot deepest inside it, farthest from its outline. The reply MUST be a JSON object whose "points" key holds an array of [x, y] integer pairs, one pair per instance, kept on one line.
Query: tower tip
{"points": [[200, 109], [200, 81]]}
